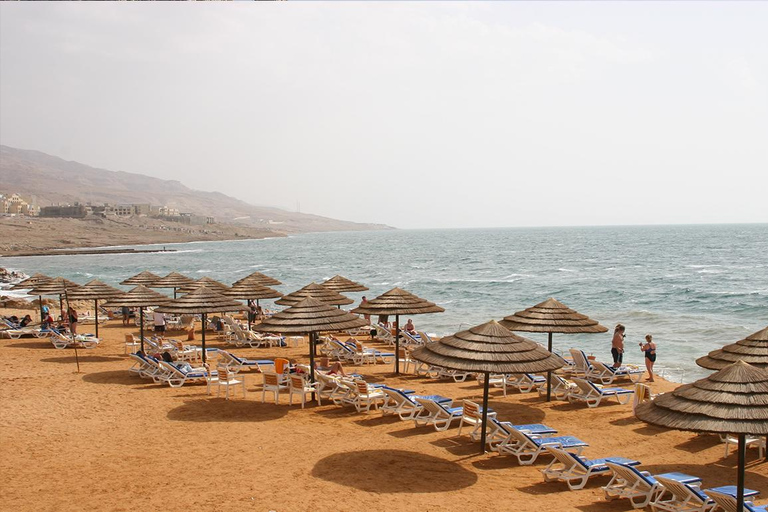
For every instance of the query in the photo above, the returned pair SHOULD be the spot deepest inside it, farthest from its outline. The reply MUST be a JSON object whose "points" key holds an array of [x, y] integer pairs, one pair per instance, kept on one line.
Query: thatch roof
{"points": [[732, 401], [138, 297], [318, 292], [258, 278], [145, 277], [248, 291], [310, 315], [397, 302], [488, 348], [201, 300], [207, 282], [551, 316], [31, 282], [342, 284], [55, 286], [753, 350], [94, 290], [172, 280]]}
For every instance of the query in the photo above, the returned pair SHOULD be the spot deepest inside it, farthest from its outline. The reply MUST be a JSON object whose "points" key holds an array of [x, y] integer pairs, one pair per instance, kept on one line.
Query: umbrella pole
{"points": [[312, 359], [485, 411], [74, 344], [141, 326], [397, 344], [96, 312], [205, 318], [40, 299], [248, 314], [549, 373], [742, 463]]}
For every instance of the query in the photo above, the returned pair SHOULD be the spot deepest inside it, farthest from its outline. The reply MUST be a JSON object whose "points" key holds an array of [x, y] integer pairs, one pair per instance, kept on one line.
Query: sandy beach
{"points": [[104, 439]]}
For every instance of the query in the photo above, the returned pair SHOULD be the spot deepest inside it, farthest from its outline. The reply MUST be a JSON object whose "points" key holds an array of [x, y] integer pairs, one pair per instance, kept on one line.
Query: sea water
{"points": [[695, 288]]}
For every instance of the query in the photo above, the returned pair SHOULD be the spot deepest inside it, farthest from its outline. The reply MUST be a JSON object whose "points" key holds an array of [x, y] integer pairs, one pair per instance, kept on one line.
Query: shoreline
{"points": [[83, 250]]}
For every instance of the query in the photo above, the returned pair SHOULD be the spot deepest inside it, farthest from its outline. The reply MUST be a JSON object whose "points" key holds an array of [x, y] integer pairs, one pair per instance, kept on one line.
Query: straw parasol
{"points": [[753, 350], [317, 291], [397, 302], [342, 284], [310, 316], [54, 286], [251, 291], [732, 401], [201, 301], [488, 348], [139, 297], [145, 277], [94, 290], [31, 282], [173, 280], [258, 278], [551, 316], [206, 282]]}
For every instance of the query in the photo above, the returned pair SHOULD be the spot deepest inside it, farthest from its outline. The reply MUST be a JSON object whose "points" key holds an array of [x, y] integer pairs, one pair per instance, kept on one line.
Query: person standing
{"points": [[72, 317], [363, 303], [617, 345], [159, 321], [650, 355], [126, 311]]}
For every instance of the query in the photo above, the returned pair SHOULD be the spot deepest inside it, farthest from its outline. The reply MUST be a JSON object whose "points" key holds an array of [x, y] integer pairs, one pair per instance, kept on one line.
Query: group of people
{"points": [[648, 348]]}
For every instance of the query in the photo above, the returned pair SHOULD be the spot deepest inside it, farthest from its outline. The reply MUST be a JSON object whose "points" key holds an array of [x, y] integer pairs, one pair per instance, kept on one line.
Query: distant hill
{"points": [[53, 180]]}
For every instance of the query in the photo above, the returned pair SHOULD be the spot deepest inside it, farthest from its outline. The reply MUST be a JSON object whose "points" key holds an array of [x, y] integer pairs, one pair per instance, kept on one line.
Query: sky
{"points": [[411, 114]]}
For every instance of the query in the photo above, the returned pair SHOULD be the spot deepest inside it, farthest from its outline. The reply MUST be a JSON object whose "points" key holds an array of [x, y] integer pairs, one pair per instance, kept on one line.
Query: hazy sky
{"points": [[410, 114]]}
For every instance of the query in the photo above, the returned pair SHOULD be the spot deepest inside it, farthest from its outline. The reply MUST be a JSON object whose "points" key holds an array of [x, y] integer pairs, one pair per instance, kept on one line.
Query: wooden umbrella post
{"points": [[742, 464], [312, 359], [96, 313], [485, 411], [205, 318], [40, 303], [141, 326], [549, 373], [397, 344]]}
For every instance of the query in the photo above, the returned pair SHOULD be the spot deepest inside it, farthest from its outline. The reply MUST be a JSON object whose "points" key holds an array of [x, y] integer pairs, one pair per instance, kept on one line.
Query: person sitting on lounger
{"points": [[325, 366], [25, 321], [409, 328]]}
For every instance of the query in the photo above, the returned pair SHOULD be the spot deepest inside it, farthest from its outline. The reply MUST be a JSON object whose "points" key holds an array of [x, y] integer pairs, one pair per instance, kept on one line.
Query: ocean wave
{"points": [[565, 270]]}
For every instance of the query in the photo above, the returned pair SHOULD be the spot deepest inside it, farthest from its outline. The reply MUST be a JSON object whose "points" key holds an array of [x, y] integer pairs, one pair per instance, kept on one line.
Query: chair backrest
{"points": [[170, 367], [396, 395], [270, 379], [129, 338], [362, 386], [682, 491], [567, 459], [424, 337], [297, 382], [642, 394], [580, 360], [630, 475], [471, 410], [281, 365], [725, 501], [586, 387], [223, 373]]}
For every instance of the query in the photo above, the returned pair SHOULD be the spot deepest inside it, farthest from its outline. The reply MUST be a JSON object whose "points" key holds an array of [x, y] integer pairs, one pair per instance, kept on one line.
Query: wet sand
{"points": [[104, 439]]}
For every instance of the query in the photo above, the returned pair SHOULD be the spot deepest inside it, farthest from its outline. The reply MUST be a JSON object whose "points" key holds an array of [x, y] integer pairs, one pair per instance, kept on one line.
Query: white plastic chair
{"points": [[227, 379], [300, 386], [273, 385]]}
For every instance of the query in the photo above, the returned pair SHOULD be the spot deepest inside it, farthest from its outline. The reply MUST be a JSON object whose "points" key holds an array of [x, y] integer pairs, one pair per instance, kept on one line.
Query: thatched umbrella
{"points": [[206, 282], [201, 302], [251, 291], [551, 316], [310, 316], [144, 278], [488, 348], [732, 401], [173, 280], [259, 278], [318, 292], [55, 286], [753, 350], [94, 290], [31, 282], [139, 297], [397, 302], [342, 284]]}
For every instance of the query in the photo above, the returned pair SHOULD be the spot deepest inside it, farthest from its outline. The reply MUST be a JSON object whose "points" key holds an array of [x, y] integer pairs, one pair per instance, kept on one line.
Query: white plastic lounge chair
{"points": [[299, 386], [176, 377], [142, 366], [496, 380], [757, 441], [366, 396], [725, 498], [560, 387], [472, 415], [437, 414], [410, 340], [426, 338], [581, 365], [404, 360], [328, 387], [384, 334], [499, 432], [131, 344], [575, 470], [236, 363], [273, 384], [642, 394], [593, 394], [62, 341], [527, 446], [404, 404], [639, 487], [607, 374], [526, 382], [682, 497]]}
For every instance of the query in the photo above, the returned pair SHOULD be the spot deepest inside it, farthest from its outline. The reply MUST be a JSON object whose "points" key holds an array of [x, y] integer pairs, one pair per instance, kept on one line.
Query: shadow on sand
{"points": [[393, 471], [83, 359], [36, 343], [218, 410], [115, 377]]}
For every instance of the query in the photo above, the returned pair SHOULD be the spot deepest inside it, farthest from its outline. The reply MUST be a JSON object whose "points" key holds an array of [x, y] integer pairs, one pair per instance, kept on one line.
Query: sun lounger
{"points": [[497, 380], [237, 363], [437, 414], [472, 415], [365, 396], [575, 470], [756, 441], [639, 487], [527, 446], [176, 376], [725, 498], [499, 432], [682, 497], [384, 334], [526, 382], [606, 374], [62, 341], [404, 404], [582, 367], [593, 394], [560, 387]]}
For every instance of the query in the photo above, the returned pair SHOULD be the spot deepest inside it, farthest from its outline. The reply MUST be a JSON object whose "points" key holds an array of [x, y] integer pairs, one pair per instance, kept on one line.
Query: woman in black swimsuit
{"points": [[650, 355]]}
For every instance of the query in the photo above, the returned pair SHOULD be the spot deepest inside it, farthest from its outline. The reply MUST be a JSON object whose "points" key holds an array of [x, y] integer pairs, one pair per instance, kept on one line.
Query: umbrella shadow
{"points": [[698, 443], [413, 431], [496, 463], [221, 410], [375, 421], [517, 413], [601, 506], [116, 377], [460, 446], [83, 359], [623, 422], [32, 344], [393, 471]]}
